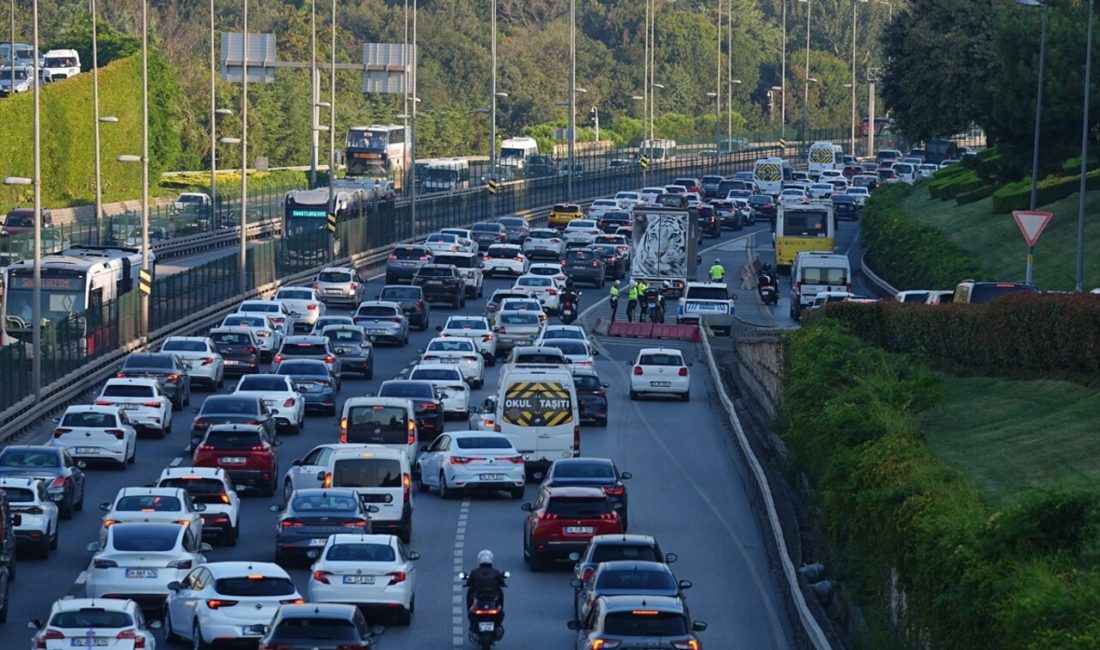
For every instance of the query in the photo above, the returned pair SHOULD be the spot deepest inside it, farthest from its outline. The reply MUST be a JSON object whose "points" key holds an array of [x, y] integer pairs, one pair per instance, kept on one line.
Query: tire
{"points": [[332, 410], [480, 290], [65, 511], [56, 539], [491, 360], [177, 405], [169, 633], [517, 493], [456, 303], [269, 489], [164, 431], [477, 383], [406, 534], [634, 395], [196, 638], [79, 505], [4, 609], [369, 374], [187, 400], [445, 492], [133, 455], [43, 551], [686, 396], [421, 486]]}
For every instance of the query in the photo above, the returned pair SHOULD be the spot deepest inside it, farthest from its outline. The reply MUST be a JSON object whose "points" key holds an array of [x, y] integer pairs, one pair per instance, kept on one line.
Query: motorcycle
{"points": [[654, 309], [488, 614], [568, 312], [768, 289]]}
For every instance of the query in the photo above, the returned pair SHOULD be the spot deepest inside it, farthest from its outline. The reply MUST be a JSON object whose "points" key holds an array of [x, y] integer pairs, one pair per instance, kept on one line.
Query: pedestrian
{"points": [[614, 300], [631, 302]]}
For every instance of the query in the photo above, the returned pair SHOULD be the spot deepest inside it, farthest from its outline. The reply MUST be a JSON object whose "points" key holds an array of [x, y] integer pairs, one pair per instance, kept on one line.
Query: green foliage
{"points": [[110, 44], [1017, 196], [229, 182], [985, 191]]}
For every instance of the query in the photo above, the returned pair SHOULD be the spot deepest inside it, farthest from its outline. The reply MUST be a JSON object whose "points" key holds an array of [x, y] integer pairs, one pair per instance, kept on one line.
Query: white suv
{"points": [[211, 487], [544, 288], [207, 365], [37, 528], [142, 400], [661, 371]]}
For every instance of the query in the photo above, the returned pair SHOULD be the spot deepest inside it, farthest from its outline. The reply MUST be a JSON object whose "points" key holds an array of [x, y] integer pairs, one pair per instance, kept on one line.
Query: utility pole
{"points": [[314, 94], [243, 250], [493, 92], [95, 117], [332, 137], [145, 265], [572, 96]]}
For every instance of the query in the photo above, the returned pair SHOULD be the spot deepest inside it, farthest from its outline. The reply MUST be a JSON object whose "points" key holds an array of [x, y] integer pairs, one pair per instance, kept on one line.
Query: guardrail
{"points": [[882, 285], [181, 246]]}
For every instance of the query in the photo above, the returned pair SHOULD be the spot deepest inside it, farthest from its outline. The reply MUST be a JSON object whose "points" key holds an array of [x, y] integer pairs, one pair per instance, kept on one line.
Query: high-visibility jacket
{"points": [[614, 291], [716, 272], [632, 293]]}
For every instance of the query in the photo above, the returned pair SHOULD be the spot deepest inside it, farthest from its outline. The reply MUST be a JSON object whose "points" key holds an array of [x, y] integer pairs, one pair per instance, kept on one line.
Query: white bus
{"points": [[514, 152], [822, 156], [446, 175], [658, 150], [770, 174]]}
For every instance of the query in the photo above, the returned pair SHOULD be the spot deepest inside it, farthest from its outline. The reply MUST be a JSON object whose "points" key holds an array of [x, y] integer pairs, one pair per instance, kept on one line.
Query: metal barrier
{"points": [[885, 287]]}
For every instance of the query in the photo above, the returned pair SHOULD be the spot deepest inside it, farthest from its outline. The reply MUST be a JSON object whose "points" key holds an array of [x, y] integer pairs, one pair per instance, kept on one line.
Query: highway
{"points": [[689, 490]]}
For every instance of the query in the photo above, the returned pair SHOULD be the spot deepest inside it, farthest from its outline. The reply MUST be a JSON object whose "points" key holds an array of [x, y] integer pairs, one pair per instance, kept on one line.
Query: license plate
{"points": [[578, 530], [85, 642], [486, 626], [233, 460], [87, 450], [359, 580], [232, 362], [141, 573], [448, 360], [129, 407], [660, 384], [317, 542], [491, 477], [376, 331]]}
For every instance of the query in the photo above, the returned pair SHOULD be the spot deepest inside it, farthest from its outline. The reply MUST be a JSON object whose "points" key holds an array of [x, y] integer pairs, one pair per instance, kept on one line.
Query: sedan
{"points": [[505, 258], [464, 461], [613, 220], [209, 486], [563, 332], [314, 381], [309, 627], [116, 621], [269, 336], [353, 347], [405, 261], [444, 243], [543, 288], [626, 578], [792, 196], [516, 228], [204, 364], [516, 328], [462, 352], [598, 207], [311, 515], [239, 348], [592, 472], [145, 406], [138, 560], [65, 479], [592, 395], [449, 384], [303, 304], [96, 433], [580, 232], [277, 311], [278, 393], [488, 233], [475, 328], [383, 320], [370, 571]]}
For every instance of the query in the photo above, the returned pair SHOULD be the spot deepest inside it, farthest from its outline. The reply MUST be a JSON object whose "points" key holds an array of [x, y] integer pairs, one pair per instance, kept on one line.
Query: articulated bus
{"points": [[770, 174], [379, 151], [809, 227], [446, 175], [658, 150], [306, 210]]}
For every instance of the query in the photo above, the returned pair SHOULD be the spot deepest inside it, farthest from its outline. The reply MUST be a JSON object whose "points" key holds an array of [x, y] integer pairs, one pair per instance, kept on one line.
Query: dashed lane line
{"points": [[458, 598]]}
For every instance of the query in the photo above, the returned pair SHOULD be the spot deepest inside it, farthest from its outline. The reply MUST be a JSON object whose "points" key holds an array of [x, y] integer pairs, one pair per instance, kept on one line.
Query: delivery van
{"points": [[537, 409], [381, 477], [814, 272], [385, 421]]}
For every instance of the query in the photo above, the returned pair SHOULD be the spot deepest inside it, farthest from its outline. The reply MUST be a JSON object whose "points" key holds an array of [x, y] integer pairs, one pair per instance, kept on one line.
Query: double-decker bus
{"points": [[809, 227], [378, 151]]}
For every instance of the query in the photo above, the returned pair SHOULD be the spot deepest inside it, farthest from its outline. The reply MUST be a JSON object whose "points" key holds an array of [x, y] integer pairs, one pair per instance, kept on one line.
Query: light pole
{"points": [[214, 165], [852, 134], [806, 87], [331, 252], [717, 120], [96, 120], [314, 94], [1079, 276], [572, 96], [1038, 118], [783, 79], [412, 137], [653, 101], [242, 251], [493, 91], [729, 108]]}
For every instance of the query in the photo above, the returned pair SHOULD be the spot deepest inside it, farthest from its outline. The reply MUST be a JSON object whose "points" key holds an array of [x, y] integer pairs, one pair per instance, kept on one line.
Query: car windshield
{"points": [[512, 222], [407, 389], [612, 552], [317, 629], [324, 501], [483, 442], [486, 227], [335, 276], [707, 293], [294, 294], [438, 237], [583, 469], [587, 382], [642, 580], [545, 270], [661, 359], [231, 338], [518, 305], [149, 361], [644, 623], [184, 346], [254, 585], [562, 333], [344, 336], [401, 293], [460, 261], [224, 405], [233, 439], [543, 234], [578, 507], [361, 553], [569, 347], [143, 538], [450, 345], [90, 419], [466, 323], [367, 473], [30, 458], [203, 490], [148, 503], [377, 424], [91, 618], [277, 384], [435, 271]]}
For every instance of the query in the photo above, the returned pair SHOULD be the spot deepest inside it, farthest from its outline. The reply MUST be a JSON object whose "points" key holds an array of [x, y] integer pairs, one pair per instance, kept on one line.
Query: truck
{"points": [[61, 64], [665, 247]]}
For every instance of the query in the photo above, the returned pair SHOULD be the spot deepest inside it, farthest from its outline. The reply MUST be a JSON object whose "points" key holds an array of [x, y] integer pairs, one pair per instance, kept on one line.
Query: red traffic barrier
{"points": [[627, 329], [676, 332]]}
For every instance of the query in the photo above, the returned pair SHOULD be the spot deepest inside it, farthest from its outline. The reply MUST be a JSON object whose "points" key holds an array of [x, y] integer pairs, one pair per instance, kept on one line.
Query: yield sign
{"points": [[1031, 223]]}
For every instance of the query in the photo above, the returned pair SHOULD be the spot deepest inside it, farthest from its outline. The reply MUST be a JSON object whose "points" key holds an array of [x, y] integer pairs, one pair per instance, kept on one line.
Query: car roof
{"points": [[305, 338], [77, 604], [153, 491], [231, 569], [93, 408], [660, 351], [380, 303], [315, 609], [634, 565]]}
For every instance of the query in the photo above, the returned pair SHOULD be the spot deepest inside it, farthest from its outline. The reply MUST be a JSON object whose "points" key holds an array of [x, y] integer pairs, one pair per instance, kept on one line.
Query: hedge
{"points": [[896, 518], [1017, 196], [983, 192], [907, 253]]}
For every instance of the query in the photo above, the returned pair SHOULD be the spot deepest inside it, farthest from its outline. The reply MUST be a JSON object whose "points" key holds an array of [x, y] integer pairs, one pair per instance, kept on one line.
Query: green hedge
{"points": [[892, 513], [945, 183], [982, 192], [907, 253], [1017, 196], [229, 181]]}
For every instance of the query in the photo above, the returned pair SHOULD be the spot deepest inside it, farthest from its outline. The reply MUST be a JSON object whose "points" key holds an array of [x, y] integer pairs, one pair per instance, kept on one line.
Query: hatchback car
{"points": [[340, 285], [383, 321], [315, 347], [657, 622], [626, 578], [602, 473], [543, 243], [505, 259], [613, 220], [239, 348], [592, 395], [609, 548], [314, 381], [614, 263], [442, 283], [584, 266], [352, 345], [232, 409], [212, 487], [168, 369], [374, 572], [475, 328], [73, 620], [245, 451], [327, 320], [152, 505], [136, 561], [313, 627], [543, 288], [450, 385], [562, 520], [660, 371], [844, 207], [412, 302], [516, 329], [97, 433], [311, 515], [467, 461], [36, 528], [404, 262], [63, 475], [203, 362], [580, 232], [563, 213]]}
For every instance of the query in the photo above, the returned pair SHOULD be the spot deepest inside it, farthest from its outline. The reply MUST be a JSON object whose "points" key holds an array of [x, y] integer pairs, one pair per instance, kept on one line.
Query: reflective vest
{"points": [[614, 291], [632, 294], [716, 272]]}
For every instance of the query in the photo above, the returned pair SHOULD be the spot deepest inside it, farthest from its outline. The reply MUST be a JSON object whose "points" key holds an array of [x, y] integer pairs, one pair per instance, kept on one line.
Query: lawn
{"points": [[997, 244], [1011, 435]]}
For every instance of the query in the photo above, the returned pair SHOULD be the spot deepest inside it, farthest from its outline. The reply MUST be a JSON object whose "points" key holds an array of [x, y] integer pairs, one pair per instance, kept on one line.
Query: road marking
{"points": [[177, 460], [82, 578], [458, 597]]}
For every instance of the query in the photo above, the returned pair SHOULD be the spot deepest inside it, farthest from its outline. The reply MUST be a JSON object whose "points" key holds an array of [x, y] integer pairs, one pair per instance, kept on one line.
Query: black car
{"points": [[591, 472], [764, 206], [63, 475], [614, 263], [710, 223], [316, 513], [8, 522], [516, 227], [405, 261], [583, 266], [612, 220], [232, 409], [320, 626], [609, 548], [238, 348], [709, 185], [441, 283], [412, 302], [592, 395], [487, 233], [428, 406], [844, 207], [169, 370]]}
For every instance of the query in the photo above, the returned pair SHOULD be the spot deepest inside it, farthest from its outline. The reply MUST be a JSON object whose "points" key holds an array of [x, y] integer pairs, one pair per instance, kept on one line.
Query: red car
{"points": [[245, 451], [563, 520]]}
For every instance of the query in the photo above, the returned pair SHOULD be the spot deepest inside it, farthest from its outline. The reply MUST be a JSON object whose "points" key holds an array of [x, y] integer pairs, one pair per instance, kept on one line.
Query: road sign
{"points": [[782, 143], [1031, 223], [644, 162], [145, 282], [332, 223], [492, 186]]}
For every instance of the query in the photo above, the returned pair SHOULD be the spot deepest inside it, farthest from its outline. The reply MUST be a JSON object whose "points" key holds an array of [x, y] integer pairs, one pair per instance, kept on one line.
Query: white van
{"points": [[381, 477], [384, 421], [537, 409], [816, 271], [61, 64]]}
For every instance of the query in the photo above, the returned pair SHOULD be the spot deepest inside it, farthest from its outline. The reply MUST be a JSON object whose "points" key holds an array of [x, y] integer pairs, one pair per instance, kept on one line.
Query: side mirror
{"points": [[413, 555], [34, 624], [698, 626], [92, 547], [173, 586], [605, 384], [377, 630], [105, 506], [574, 625], [439, 328], [595, 352], [671, 557], [276, 507], [462, 575], [576, 583], [195, 411], [205, 548], [684, 584], [57, 420], [625, 475], [527, 507], [199, 507]]}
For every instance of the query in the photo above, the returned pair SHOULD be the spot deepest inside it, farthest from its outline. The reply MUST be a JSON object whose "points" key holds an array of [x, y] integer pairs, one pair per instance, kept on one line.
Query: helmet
{"points": [[767, 267], [617, 283], [717, 261], [666, 284], [485, 556]]}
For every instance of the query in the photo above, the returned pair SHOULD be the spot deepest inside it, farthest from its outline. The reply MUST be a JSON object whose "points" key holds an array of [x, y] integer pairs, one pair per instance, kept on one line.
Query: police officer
{"points": [[614, 293], [631, 302], [716, 271]]}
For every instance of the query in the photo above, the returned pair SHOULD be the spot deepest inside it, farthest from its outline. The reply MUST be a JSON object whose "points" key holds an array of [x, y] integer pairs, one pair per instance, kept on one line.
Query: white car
{"points": [[374, 571], [475, 328], [152, 505], [303, 304], [450, 384], [793, 196], [119, 623], [38, 513], [543, 288], [465, 237], [207, 366], [627, 200], [505, 258], [543, 242], [226, 600], [830, 174], [326, 320], [461, 352], [650, 194], [553, 269], [859, 195], [138, 560], [579, 352], [662, 371], [600, 206], [484, 417], [146, 407], [277, 392], [821, 190], [92, 432], [693, 199], [269, 336], [444, 243], [277, 311], [211, 487], [563, 332], [580, 232], [926, 170], [462, 461], [522, 305], [839, 185], [676, 189]]}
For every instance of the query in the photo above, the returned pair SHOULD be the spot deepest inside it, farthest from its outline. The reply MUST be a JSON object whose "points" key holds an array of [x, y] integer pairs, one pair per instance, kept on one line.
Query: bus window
{"points": [[805, 224]]}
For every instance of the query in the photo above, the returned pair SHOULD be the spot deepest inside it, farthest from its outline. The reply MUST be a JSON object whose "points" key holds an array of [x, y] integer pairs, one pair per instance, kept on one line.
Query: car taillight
{"points": [[595, 264], [395, 320], [486, 337], [637, 370], [412, 432], [601, 393], [103, 402], [614, 490], [393, 257], [515, 460], [427, 406], [551, 291], [311, 307], [587, 573], [396, 577], [262, 334], [207, 361], [104, 564], [151, 405], [576, 440], [200, 424], [546, 516], [686, 644], [293, 601], [173, 378], [120, 375], [462, 460], [278, 358], [406, 485], [322, 576], [179, 564], [329, 358], [683, 371], [290, 523], [206, 447], [33, 510], [355, 524], [328, 480], [217, 603], [473, 358], [58, 482], [107, 523], [119, 434], [57, 433]]}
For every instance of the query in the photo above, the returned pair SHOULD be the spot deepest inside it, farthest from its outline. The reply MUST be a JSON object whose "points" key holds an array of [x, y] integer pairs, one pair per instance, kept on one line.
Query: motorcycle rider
{"points": [[653, 294], [614, 300], [716, 271], [484, 582], [767, 277], [570, 296]]}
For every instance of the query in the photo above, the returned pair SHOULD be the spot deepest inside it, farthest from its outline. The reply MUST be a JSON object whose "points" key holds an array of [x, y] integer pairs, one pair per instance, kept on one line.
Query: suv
{"points": [[412, 303], [426, 402], [562, 520], [245, 451], [706, 302], [973, 293], [308, 347], [37, 527], [211, 487], [563, 213], [443, 283], [340, 285], [405, 261], [584, 266], [657, 622], [169, 370], [469, 266], [239, 348]]}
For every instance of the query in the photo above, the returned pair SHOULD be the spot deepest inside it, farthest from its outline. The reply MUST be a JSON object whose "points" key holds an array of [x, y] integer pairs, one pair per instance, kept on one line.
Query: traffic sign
{"points": [[492, 186], [332, 223], [1031, 223], [145, 282], [643, 162], [782, 143]]}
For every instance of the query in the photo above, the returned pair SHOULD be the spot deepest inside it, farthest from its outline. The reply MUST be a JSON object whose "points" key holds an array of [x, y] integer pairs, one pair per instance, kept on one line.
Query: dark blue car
{"points": [[314, 381]]}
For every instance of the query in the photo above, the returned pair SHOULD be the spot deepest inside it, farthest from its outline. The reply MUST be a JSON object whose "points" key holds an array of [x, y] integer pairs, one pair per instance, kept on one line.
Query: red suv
{"points": [[563, 520], [245, 451]]}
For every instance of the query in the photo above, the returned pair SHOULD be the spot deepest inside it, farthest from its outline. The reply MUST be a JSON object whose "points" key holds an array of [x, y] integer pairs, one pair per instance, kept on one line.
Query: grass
{"points": [[995, 241], [1009, 435]]}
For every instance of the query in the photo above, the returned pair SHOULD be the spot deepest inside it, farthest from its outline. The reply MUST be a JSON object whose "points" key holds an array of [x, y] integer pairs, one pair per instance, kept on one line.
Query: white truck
{"points": [[664, 247], [61, 64]]}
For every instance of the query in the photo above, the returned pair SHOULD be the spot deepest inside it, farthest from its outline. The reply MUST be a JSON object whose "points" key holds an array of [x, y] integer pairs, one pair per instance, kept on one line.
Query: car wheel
{"points": [[444, 491], [43, 551], [165, 430], [133, 455], [65, 511], [332, 410], [177, 405], [4, 609], [369, 374], [169, 632], [269, 489], [288, 491], [480, 291], [686, 396], [230, 538], [456, 303], [477, 383], [187, 400], [517, 493], [196, 638], [421, 486], [633, 395], [490, 359]]}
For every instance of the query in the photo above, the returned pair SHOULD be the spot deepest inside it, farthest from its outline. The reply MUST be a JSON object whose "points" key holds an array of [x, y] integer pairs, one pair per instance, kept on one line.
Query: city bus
{"points": [[379, 151], [446, 175], [769, 174], [658, 150], [809, 227], [307, 210]]}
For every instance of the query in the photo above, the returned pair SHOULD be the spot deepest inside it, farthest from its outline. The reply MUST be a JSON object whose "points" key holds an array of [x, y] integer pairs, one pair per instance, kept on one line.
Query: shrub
{"points": [[1017, 196], [975, 195]]}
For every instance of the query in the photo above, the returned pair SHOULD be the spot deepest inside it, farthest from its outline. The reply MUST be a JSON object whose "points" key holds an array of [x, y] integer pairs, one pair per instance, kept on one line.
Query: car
{"points": [[304, 305], [601, 473], [169, 370], [940, 297], [475, 328], [465, 239], [859, 195], [543, 243], [691, 184], [972, 293], [483, 418], [636, 621], [763, 206], [204, 363], [382, 423], [626, 578], [239, 348], [580, 232], [562, 213], [614, 264], [304, 627], [471, 461], [449, 383], [231, 409], [579, 353], [462, 352], [326, 320], [369, 571], [516, 229], [829, 175], [308, 347], [627, 199], [247, 453], [888, 176], [440, 242], [709, 185], [353, 347], [609, 548], [948, 162], [741, 194], [412, 303], [584, 266], [559, 331], [383, 320], [562, 520], [743, 213], [226, 601], [152, 504], [553, 269], [906, 172], [146, 407], [212, 487], [64, 476], [926, 170], [821, 190], [792, 196], [516, 328], [592, 394], [73, 619], [839, 185], [649, 194], [279, 313], [442, 283], [660, 371], [309, 516], [405, 260], [499, 296], [314, 381], [844, 207], [543, 288], [137, 560], [678, 190], [269, 336], [426, 402], [98, 433], [340, 285], [279, 395], [36, 527], [520, 304], [599, 207], [469, 268], [505, 258]]}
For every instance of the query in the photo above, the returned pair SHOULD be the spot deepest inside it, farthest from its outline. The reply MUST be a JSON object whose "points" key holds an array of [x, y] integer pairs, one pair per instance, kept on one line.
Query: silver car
{"points": [[352, 345], [340, 285], [516, 328], [382, 320], [544, 242]]}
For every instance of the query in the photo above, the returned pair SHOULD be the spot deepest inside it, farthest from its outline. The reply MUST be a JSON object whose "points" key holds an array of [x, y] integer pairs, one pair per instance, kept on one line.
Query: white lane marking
{"points": [[458, 597], [176, 461], [82, 578]]}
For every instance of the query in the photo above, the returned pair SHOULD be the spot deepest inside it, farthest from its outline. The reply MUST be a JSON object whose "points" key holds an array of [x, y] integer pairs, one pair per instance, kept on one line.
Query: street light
{"points": [[783, 79], [806, 89], [572, 96], [852, 134], [1038, 116], [229, 140], [717, 118], [1079, 276], [729, 108]]}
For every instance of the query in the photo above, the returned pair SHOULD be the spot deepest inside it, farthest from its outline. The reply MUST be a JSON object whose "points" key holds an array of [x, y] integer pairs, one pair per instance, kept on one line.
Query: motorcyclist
{"points": [[653, 293], [570, 295], [766, 277], [484, 582], [716, 271]]}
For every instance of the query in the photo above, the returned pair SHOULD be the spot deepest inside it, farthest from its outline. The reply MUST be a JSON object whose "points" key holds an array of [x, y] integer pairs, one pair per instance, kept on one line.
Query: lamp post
{"points": [[852, 134], [806, 86], [414, 100], [729, 107], [572, 96], [493, 90], [717, 119], [1079, 276], [214, 165], [330, 253], [783, 79], [653, 106], [1038, 118], [242, 251], [314, 94], [96, 120]]}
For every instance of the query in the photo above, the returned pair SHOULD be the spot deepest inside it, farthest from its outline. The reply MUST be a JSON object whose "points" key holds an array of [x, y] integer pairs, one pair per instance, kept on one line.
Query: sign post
{"points": [[1031, 223]]}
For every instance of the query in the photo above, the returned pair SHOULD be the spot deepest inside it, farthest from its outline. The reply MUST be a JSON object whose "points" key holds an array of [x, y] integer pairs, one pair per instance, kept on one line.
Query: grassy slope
{"points": [[997, 244], [1010, 435]]}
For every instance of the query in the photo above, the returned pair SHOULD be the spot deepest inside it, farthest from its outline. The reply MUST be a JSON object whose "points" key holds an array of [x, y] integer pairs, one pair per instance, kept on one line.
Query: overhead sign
{"points": [[1031, 223], [387, 67], [261, 57]]}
